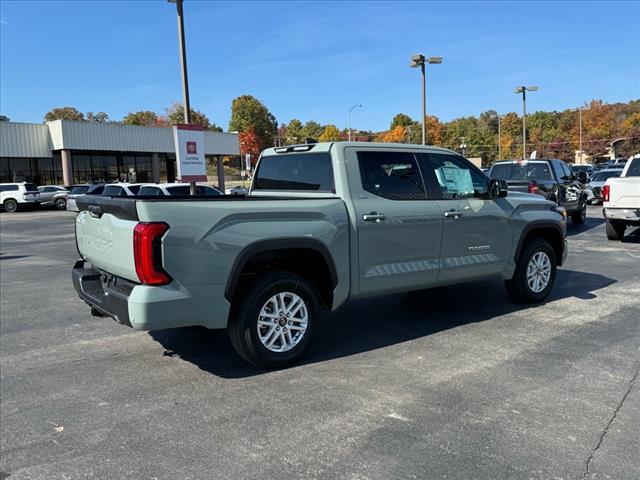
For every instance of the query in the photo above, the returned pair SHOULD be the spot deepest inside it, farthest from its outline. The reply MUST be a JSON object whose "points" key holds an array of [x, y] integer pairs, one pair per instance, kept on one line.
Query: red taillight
{"points": [[147, 253], [533, 187], [606, 193]]}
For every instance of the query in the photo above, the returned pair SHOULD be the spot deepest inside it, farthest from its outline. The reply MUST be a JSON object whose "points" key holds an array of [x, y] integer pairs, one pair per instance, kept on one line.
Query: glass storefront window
{"points": [[5, 176], [143, 168], [81, 168], [20, 169]]}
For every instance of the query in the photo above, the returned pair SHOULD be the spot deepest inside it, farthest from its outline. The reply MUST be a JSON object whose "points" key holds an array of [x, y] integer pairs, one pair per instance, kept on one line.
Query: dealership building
{"points": [[65, 152]]}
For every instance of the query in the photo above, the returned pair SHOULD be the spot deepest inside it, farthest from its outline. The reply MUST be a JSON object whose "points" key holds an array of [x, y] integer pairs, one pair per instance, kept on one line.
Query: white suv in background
{"points": [[13, 195]]}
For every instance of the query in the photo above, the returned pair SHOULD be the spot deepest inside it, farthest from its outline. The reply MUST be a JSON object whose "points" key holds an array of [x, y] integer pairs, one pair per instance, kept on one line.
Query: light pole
{"points": [[419, 60], [580, 115], [183, 66], [523, 90], [351, 110], [499, 137], [463, 147]]}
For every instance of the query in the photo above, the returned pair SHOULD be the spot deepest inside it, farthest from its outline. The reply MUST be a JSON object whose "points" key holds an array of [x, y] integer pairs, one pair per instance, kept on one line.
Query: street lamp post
{"points": [[499, 137], [420, 60], [183, 67], [523, 90], [580, 114], [463, 147], [350, 110]]}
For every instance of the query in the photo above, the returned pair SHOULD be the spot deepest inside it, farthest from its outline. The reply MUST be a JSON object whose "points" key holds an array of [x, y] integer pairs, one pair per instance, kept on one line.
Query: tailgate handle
{"points": [[95, 211]]}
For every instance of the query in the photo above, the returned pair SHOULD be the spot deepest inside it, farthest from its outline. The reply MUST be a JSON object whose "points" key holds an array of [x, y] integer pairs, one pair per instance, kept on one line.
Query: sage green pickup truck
{"points": [[322, 224]]}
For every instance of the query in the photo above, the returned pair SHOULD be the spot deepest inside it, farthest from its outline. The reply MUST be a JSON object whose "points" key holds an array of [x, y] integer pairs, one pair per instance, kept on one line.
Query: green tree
{"points": [[98, 117], [295, 132], [330, 134], [175, 115], [143, 117], [312, 129], [248, 112], [402, 120], [63, 113], [4, 118]]}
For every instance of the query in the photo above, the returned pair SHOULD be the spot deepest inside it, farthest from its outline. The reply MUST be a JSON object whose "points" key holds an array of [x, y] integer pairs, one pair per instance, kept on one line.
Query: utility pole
{"points": [[499, 138], [350, 110], [522, 89]]}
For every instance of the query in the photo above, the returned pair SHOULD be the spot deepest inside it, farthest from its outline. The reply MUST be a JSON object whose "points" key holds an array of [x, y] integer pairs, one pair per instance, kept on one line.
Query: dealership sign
{"points": [[189, 142]]}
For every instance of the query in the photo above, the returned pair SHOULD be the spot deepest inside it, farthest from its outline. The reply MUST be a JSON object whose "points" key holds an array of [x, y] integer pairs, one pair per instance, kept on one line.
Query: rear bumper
{"points": [[145, 307], [628, 215], [107, 295]]}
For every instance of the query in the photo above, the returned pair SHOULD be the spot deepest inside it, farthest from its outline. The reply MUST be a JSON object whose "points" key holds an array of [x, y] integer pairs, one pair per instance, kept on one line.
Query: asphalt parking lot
{"points": [[454, 384]]}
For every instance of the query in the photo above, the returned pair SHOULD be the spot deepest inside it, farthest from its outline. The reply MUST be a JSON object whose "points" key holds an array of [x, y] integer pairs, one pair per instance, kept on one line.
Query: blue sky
{"points": [[313, 60]]}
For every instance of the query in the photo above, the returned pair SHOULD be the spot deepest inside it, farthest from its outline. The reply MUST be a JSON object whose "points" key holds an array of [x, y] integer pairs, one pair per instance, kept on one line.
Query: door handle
{"points": [[373, 217], [453, 214]]}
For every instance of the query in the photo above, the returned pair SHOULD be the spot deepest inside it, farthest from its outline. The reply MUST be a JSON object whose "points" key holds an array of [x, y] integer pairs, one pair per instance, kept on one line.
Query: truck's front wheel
{"points": [[535, 272], [273, 323]]}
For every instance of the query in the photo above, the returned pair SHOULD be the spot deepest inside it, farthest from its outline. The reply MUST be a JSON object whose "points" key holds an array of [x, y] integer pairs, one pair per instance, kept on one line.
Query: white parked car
{"points": [[237, 190], [79, 190], [123, 189], [621, 200], [166, 189], [597, 181], [15, 195]]}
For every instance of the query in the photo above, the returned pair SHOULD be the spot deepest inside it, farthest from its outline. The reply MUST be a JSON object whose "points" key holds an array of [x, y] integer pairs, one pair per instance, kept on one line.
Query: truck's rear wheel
{"points": [[615, 230], [273, 323], [535, 273], [10, 205]]}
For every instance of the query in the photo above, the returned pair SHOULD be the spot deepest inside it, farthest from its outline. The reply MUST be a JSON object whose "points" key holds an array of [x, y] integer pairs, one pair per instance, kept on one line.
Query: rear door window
{"points": [[114, 191], [30, 187], [634, 168], [79, 190], [457, 178], [302, 172], [150, 191], [8, 188], [391, 175]]}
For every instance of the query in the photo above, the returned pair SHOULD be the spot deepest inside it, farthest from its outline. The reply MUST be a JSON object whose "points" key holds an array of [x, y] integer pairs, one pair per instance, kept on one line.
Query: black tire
{"points": [[518, 287], [615, 230], [61, 203], [580, 215], [243, 326], [10, 205]]}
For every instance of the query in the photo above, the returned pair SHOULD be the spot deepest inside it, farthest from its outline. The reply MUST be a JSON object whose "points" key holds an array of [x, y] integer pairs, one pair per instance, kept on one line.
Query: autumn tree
{"points": [[143, 117], [4, 118], [398, 134], [64, 113], [330, 134], [250, 143], [247, 113]]}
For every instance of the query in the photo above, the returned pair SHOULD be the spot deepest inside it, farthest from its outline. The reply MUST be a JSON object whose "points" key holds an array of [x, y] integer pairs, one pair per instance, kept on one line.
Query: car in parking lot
{"points": [[18, 195], [551, 178], [83, 189], [621, 200], [164, 189], [122, 189], [322, 223], [597, 181], [588, 169], [237, 190], [53, 195]]}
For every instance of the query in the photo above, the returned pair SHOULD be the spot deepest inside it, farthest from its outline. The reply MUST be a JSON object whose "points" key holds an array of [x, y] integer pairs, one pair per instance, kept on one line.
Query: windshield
{"points": [[602, 176], [521, 171], [79, 190]]}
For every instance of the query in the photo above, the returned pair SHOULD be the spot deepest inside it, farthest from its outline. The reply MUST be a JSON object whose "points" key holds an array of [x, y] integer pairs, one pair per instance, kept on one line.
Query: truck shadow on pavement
{"points": [[371, 324], [589, 223]]}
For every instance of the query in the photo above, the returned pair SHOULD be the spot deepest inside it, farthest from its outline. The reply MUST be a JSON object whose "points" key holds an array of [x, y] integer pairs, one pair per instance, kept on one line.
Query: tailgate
{"points": [[518, 185], [104, 234], [624, 192]]}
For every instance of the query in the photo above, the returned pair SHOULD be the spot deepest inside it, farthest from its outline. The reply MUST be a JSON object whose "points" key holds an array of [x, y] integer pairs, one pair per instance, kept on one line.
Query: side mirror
{"points": [[498, 188], [582, 177]]}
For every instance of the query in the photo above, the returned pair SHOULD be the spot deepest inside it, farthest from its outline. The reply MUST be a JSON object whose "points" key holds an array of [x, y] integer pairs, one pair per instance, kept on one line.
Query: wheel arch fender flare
{"points": [[262, 246], [545, 227]]}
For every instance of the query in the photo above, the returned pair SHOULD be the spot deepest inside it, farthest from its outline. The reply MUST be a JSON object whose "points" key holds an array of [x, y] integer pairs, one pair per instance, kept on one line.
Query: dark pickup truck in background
{"points": [[551, 178]]}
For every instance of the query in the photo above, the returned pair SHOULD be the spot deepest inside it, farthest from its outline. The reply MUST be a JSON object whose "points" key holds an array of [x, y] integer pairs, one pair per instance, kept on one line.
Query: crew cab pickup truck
{"points": [[621, 200], [551, 178], [322, 223]]}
